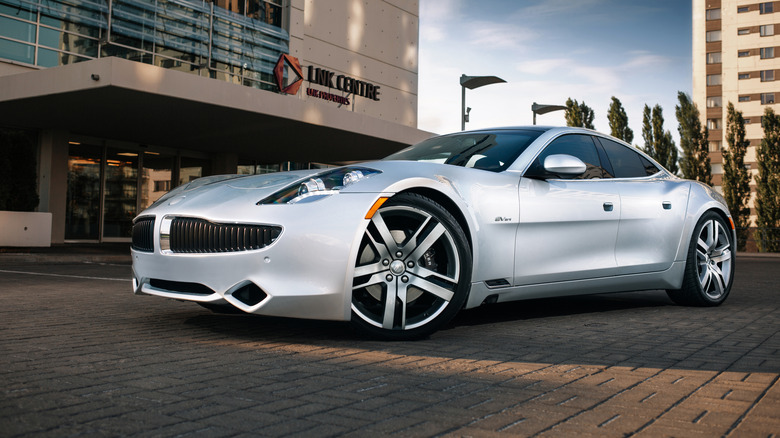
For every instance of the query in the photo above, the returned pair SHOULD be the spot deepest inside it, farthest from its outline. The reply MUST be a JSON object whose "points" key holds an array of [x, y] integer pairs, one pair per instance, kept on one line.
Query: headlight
{"points": [[320, 185]]}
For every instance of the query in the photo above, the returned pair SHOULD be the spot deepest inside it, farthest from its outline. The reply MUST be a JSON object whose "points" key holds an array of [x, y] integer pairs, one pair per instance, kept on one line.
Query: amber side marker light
{"points": [[732, 223], [375, 207]]}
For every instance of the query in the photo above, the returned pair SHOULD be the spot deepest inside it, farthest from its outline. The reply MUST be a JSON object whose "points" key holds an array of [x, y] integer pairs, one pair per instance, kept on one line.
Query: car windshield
{"points": [[493, 151]]}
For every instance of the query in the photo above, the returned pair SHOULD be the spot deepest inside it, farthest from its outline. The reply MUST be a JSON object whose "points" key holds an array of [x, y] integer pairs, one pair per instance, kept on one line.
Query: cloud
{"points": [[542, 66], [496, 36], [437, 18]]}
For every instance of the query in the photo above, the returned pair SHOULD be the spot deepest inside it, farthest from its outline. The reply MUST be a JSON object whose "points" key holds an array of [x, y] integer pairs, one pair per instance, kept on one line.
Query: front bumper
{"points": [[306, 273]]}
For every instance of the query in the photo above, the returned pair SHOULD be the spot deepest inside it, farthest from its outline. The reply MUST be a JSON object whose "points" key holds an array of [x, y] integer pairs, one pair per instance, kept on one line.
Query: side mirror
{"points": [[564, 165]]}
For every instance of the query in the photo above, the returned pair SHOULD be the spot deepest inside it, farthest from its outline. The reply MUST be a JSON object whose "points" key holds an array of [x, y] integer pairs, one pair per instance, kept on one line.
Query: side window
{"points": [[577, 145], [627, 163]]}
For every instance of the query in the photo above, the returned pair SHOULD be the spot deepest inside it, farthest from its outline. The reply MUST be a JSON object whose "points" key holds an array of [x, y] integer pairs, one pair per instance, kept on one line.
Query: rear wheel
{"points": [[709, 268], [412, 270]]}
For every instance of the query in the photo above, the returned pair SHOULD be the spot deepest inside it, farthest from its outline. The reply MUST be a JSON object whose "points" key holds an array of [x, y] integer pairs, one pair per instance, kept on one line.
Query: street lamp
{"points": [[537, 108], [472, 82]]}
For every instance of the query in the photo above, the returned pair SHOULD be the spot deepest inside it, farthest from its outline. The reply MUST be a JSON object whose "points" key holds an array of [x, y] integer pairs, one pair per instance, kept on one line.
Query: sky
{"points": [[547, 51]]}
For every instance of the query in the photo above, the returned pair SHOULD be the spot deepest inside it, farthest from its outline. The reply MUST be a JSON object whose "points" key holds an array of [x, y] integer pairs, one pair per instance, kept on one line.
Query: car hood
{"points": [[224, 193]]}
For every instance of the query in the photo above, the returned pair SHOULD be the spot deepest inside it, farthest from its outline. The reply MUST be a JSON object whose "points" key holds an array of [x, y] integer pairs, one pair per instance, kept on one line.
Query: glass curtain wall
{"points": [[239, 45]]}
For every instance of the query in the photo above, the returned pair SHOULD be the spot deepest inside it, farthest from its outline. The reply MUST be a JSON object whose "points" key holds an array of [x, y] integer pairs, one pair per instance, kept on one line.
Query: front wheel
{"points": [[412, 270], [709, 268]]}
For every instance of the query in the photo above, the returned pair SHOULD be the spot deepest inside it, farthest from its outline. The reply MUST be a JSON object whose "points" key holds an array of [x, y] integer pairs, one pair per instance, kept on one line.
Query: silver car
{"points": [[399, 246]]}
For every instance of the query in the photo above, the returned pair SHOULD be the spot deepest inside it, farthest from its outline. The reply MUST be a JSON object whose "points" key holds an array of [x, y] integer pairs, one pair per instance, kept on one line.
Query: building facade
{"points": [[736, 58], [126, 99]]}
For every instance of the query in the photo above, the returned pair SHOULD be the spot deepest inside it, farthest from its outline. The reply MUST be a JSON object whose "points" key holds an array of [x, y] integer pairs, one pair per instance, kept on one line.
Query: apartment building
{"points": [[736, 58]]}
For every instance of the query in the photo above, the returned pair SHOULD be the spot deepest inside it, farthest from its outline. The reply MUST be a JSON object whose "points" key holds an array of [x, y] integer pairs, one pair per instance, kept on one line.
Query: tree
{"points": [[658, 143], [768, 185], [695, 162], [647, 132], [736, 180], [618, 121], [579, 114]]}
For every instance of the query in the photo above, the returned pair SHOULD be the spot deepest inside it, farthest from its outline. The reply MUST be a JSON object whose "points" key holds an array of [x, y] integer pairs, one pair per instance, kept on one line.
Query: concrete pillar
{"points": [[53, 179]]}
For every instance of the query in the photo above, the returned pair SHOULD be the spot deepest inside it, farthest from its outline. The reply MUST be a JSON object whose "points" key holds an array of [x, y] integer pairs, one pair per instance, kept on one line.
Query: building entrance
{"points": [[108, 186]]}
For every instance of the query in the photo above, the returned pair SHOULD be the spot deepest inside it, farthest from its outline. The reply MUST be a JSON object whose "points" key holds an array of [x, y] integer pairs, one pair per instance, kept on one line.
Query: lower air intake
{"points": [[250, 294], [181, 286]]}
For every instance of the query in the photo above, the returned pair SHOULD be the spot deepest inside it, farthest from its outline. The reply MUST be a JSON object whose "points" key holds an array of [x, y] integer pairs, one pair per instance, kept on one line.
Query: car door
{"points": [[652, 211], [568, 226]]}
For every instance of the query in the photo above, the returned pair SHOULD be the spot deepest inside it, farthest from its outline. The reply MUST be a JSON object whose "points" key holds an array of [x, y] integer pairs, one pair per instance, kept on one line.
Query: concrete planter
{"points": [[20, 228]]}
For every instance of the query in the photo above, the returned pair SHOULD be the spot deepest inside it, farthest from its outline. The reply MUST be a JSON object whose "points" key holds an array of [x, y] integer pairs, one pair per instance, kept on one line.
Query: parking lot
{"points": [[81, 355]]}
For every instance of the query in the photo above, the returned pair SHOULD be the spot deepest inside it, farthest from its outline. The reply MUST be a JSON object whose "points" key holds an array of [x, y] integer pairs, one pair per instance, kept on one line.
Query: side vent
{"points": [[499, 282]]}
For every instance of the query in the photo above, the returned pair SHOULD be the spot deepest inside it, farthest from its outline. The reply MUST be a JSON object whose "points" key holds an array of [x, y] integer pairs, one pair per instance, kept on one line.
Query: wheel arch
{"points": [[449, 205]]}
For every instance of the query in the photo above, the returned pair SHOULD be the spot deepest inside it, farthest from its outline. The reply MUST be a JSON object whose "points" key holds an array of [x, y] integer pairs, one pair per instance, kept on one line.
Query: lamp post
{"points": [[472, 82], [538, 108]]}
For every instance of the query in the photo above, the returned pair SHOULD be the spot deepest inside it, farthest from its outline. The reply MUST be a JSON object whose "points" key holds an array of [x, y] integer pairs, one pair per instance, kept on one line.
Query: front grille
{"points": [[190, 235], [143, 234]]}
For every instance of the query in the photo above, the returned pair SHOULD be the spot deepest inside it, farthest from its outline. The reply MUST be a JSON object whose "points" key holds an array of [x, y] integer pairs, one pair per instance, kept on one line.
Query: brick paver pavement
{"points": [[81, 355]]}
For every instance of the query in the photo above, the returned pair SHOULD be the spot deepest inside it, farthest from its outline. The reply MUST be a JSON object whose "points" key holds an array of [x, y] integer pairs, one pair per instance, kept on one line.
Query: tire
{"points": [[414, 252], [709, 267]]}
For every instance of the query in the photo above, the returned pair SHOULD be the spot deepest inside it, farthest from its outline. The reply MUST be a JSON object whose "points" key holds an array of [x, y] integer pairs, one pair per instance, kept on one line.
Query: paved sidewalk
{"points": [[81, 355], [68, 253]]}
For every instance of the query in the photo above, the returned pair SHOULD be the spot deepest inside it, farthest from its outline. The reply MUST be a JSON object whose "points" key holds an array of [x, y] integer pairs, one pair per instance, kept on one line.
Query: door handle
{"points": [[608, 206], [667, 205]]}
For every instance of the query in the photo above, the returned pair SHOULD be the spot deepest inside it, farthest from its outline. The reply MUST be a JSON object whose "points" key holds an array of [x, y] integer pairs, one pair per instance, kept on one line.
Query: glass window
{"points": [[714, 102], [193, 168], [17, 30], [766, 8], [120, 193], [68, 42], [745, 31], [626, 162], [713, 80], [713, 35], [767, 75], [743, 76], [767, 52], [767, 30], [767, 98], [19, 10], [82, 211], [156, 177], [577, 145], [19, 52], [744, 98], [713, 14], [713, 58], [714, 124], [743, 53], [741, 9], [715, 146]]}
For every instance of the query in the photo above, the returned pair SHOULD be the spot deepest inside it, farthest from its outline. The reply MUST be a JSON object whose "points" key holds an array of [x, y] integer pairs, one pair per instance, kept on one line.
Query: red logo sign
{"points": [[294, 67]]}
